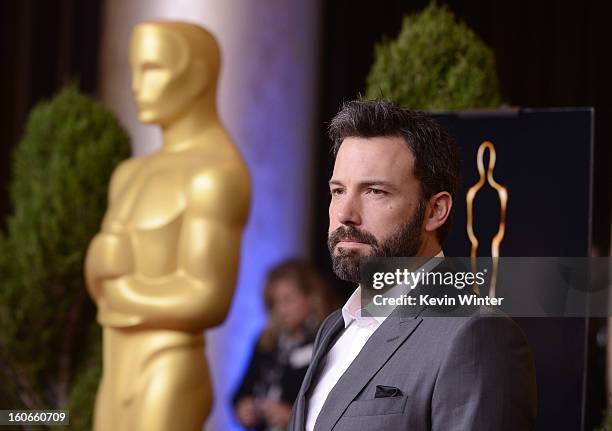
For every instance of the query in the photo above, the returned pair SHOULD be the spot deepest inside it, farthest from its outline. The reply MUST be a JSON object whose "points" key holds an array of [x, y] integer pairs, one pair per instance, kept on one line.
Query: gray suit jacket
{"points": [[453, 373]]}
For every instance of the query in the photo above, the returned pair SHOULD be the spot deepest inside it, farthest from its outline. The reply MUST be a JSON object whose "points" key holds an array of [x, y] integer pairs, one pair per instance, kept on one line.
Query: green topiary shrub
{"points": [[435, 64], [50, 342]]}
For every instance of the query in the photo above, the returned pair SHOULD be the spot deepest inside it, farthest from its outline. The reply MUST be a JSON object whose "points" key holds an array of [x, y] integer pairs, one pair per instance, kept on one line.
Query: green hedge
{"points": [[50, 342]]}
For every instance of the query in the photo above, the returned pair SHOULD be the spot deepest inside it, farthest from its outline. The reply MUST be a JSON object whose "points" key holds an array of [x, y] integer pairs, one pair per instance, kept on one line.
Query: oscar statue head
{"points": [[175, 68]]}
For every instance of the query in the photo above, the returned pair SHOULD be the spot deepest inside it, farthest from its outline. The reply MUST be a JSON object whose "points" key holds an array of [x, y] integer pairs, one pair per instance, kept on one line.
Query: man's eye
{"points": [[336, 192], [377, 192]]}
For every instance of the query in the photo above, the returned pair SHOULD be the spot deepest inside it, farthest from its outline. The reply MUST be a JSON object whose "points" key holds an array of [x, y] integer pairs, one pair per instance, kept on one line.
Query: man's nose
{"points": [[348, 211]]}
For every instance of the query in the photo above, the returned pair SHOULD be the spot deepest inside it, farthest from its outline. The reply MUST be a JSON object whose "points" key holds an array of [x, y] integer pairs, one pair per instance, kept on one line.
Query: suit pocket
{"points": [[377, 406]]}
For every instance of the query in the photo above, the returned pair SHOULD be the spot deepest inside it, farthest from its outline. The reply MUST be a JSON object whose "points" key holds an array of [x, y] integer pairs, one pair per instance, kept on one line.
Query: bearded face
{"points": [[404, 241]]}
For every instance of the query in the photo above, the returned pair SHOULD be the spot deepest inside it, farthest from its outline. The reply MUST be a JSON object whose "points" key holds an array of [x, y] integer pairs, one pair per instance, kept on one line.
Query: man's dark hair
{"points": [[437, 156]]}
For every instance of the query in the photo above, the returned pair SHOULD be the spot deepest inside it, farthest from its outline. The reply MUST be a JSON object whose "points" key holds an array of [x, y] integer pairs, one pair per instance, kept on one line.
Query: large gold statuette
{"points": [[163, 267]]}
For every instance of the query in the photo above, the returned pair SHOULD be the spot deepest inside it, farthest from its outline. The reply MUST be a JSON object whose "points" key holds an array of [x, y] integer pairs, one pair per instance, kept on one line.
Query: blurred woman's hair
{"points": [[308, 280]]}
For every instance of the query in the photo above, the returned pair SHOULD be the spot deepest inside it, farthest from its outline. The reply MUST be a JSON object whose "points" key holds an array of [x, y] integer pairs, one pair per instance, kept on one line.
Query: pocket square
{"points": [[383, 391]]}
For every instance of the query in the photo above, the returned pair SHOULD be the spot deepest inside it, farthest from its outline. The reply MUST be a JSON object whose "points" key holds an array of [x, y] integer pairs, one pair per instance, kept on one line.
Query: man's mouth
{"points": [[350, 241]]}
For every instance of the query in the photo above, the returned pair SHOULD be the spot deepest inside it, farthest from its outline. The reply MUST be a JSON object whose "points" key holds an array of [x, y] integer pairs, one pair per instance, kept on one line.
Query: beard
{"points": [[405, 241]]}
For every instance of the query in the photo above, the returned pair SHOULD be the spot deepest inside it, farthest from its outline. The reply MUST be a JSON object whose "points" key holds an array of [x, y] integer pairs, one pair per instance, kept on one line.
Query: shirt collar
{"points": [[352, 308]]}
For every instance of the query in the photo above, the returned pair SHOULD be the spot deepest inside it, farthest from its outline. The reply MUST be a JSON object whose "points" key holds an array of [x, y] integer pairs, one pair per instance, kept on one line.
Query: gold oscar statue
{"points": [[502, 194], [164, 266]]}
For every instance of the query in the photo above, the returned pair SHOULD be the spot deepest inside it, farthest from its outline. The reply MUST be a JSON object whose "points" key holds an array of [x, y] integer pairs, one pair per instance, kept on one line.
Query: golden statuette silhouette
{"points": [[164, 266], [502, 194]]}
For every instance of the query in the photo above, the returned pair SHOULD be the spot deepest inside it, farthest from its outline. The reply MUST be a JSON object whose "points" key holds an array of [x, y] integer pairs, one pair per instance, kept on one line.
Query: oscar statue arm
{"points": [[109, 254], [199, 293]]}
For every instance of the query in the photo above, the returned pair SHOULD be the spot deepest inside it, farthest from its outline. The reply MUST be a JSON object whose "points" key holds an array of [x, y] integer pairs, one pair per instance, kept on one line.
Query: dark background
{"points": [[549, 53]]}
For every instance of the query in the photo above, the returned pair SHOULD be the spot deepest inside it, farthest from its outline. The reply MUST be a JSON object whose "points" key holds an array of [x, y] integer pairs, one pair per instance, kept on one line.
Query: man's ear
{"points": [[438, 210]]}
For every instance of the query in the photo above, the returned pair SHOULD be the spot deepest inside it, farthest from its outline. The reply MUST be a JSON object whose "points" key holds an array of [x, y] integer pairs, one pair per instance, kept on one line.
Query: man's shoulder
{"points": [[493, 321], [485, 323]]}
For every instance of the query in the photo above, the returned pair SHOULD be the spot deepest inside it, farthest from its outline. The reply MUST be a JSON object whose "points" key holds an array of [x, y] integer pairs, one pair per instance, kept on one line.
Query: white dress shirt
{"points": [[357, 330]]}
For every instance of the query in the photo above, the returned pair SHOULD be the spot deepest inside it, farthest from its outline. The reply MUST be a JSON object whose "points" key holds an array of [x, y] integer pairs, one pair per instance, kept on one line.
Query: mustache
{"points": [[350, 233]]}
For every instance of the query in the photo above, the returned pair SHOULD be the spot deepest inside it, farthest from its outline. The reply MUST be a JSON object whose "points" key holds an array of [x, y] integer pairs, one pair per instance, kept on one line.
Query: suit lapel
{"points": [[324, 345], [328, 337], [375, 353]]}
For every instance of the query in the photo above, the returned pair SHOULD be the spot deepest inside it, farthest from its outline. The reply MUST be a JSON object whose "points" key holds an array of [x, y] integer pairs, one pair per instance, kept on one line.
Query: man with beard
{"points": [[395, 177]]}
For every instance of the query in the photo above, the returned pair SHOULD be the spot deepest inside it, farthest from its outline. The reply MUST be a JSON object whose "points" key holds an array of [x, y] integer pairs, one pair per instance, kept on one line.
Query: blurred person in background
{"points": [[297, 301]]}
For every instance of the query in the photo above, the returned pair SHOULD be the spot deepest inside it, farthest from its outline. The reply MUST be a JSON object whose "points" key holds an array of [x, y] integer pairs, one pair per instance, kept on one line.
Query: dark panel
{"points": [[548, 210]]}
